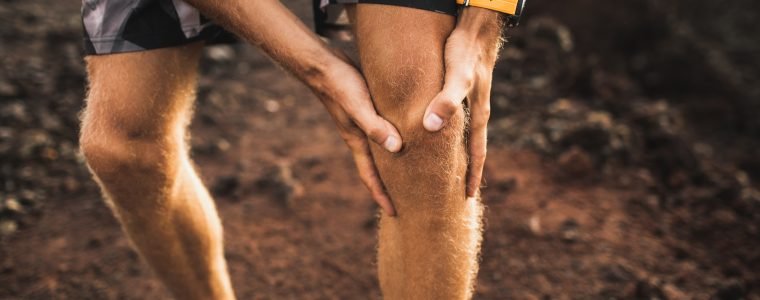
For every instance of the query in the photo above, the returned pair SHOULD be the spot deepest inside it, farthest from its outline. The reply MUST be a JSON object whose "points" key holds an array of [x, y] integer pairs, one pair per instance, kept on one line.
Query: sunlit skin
{"points": [[139, 104], [429, 251], [133, 137]]}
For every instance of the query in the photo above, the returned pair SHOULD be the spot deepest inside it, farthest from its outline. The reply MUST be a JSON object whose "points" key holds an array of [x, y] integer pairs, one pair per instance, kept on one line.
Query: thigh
{"points": [[137, 95], [401, 53]]}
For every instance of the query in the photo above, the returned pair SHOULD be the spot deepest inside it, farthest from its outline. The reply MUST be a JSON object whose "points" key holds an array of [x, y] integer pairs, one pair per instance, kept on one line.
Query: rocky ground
{"points": [[622, 164]]}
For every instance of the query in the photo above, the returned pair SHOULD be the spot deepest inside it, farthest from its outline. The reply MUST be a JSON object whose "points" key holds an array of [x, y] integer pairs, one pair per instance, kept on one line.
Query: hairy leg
{"points": [[133, 138], [429, 251]]}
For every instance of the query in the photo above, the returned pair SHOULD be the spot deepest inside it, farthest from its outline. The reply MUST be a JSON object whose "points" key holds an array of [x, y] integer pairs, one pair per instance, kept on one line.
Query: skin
{"points": [[134, 141], [328, 72], [470, 55], [429, 251], [133, 138]]}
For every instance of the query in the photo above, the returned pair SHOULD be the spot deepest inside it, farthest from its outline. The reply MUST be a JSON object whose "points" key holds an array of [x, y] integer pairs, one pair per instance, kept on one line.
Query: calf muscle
{"points": [[429, 251], [133, 138]]}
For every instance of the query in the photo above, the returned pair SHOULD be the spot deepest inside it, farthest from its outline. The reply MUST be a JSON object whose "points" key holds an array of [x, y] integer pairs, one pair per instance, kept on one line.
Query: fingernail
{"points": [[432, 122], [391, 144]]}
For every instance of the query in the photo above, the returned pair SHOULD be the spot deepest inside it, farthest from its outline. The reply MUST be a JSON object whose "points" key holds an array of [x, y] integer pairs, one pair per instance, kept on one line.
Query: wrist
{"points": [[481, 27], [481, 23], [316, 70], [324, 74]]}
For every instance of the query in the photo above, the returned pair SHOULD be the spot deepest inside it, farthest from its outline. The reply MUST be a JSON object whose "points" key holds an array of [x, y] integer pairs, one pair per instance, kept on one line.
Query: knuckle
{"points": [[366, 180], [479, 124], [379, 197], [452, 103], [485, 112], [484, 71], [355, 144], [478, 157], [468, 79], [374, 132]]}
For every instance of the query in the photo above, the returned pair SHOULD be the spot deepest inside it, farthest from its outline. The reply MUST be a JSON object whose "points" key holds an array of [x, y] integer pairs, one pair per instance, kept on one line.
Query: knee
{"points": [[118, 158], [434, 163]]}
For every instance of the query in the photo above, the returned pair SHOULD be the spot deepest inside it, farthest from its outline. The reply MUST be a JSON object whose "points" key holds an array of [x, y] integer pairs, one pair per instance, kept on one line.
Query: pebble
{"points": [[7, 227], [7, 89], [576, 162], [272, 106], [569, 231], [535, 224], [12, 205], [220, 53]]}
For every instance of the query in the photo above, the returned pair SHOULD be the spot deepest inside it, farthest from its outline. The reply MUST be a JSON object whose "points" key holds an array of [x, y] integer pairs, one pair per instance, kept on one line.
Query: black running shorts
{"points": [[115, 26]]}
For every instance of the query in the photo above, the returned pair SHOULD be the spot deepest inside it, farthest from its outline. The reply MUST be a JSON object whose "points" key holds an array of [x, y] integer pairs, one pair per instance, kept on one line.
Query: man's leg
{"points": [[429, 251], [133, 138]]}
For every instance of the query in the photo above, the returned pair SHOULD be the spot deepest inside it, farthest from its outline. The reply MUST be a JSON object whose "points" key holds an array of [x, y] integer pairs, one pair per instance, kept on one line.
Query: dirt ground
{"points": [[623, 164]]}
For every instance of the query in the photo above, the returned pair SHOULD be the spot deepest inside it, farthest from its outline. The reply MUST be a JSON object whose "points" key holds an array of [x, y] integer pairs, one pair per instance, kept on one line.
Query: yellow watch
{"points": [[513, 8]]}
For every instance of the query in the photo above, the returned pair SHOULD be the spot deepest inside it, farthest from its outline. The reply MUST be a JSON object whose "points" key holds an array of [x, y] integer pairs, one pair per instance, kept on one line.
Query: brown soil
{"points": [[610, 174]]}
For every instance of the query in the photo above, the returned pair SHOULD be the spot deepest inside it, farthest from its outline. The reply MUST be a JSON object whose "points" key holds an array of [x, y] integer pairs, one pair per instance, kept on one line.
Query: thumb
{"points": [[380, 131], [447, 102]]}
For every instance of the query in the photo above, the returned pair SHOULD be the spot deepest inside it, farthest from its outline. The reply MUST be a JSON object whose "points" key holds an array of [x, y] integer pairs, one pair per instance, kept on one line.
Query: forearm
{"points": [[272, 27]]}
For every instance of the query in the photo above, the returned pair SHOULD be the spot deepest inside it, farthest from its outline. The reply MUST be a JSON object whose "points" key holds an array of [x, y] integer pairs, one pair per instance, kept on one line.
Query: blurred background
{"points": [[623, 163]]}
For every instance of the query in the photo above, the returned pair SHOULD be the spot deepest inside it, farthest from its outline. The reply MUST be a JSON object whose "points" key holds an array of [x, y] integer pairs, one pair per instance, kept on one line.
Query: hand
{"points": [[328, 73], [345, 94], [470, 56]]}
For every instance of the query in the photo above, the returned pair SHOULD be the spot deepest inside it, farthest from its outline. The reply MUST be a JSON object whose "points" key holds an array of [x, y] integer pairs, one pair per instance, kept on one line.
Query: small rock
{"points": [[724, 217], [15, 111], [569, 231], [7, 89], [49, 121], [648, 290], [272, 106], [506, 186], [535, 224], [652, 201], [615, 273], [732, 290], [576, 162], [71, 184], [220, 53], [750, 195], [7, 227], [673, 293], [223, 145], [703, 149], [280, 182], [94, 243], [225, 186], [50, 154], [602, 119], [564, 107], [12, 205]]}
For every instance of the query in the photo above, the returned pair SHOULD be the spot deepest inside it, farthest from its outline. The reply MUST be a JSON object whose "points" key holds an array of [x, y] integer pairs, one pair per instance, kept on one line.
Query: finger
{"points": [[369, 176], [478, 140], [478, 149], [448, 101], [379, 130], [373, 125]]}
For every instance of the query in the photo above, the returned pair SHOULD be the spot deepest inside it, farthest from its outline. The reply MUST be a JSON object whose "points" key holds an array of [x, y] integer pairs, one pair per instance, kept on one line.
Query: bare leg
{"points": [[429, 251], [133, 137]]}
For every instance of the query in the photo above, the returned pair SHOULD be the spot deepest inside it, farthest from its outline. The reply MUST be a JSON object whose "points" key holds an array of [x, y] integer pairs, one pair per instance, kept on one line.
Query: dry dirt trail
{"points": [[602, 195]]}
